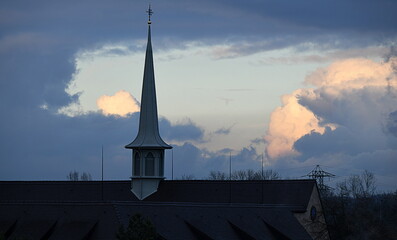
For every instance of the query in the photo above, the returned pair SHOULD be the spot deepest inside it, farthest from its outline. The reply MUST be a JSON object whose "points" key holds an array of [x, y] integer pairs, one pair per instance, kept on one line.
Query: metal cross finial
{"points": [[150, 13]]}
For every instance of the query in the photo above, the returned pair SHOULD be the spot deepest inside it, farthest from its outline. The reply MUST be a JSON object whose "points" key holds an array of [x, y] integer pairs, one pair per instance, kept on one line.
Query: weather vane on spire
{"points": [[150, 13]]}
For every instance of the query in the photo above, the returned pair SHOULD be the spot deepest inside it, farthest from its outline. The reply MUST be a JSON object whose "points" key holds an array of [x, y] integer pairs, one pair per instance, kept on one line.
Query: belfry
{"points": [[148, 147]]}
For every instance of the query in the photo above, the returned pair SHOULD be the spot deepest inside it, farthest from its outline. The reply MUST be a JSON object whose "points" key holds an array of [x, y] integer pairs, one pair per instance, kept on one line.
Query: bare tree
{"points": [[187, 177], [343, 189], [248, 174], [369, 183], [358, 186], [355, 185], [217, 175], [85, 177], [73, 176], [240, 174], [270, 174], [357, 212], [252, 175]]}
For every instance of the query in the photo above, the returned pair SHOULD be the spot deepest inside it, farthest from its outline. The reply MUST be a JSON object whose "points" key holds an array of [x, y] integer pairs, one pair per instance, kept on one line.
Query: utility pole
{"points": [[262, 167], [102, 175], [230, 178], [319, 174], [230, 166]]}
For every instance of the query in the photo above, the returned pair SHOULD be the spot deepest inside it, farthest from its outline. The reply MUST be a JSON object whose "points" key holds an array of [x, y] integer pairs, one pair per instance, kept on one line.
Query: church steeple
{"points": [[148, 134], [148, 147]]}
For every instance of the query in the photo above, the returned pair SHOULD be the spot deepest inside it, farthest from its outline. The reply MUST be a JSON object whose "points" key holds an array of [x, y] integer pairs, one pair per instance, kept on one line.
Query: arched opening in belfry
{"points": [[149, 164], [137, 164], [161, 164]]}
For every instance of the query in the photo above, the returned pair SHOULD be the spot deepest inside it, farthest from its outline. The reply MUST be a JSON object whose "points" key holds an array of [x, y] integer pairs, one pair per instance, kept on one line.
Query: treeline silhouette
{"points": [[248, 174], [76, 176], [354, 210]]}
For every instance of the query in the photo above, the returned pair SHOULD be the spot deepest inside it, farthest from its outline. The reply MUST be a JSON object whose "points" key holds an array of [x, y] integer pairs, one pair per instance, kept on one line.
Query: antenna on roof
{"points": [[262, 166], [102, 176], [102, 163], [230, 166], [230, 178], [262, 178], [172, 164]]}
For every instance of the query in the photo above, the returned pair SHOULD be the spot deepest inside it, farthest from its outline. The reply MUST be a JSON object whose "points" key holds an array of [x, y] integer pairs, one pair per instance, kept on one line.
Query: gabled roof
{"points": [[148, 133], [179, 210], [211, 221], [293, 194]]}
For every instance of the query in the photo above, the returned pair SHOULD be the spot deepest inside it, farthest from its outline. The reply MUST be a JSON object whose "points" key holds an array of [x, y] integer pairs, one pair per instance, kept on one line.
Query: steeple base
{"points": [[142, 187]]}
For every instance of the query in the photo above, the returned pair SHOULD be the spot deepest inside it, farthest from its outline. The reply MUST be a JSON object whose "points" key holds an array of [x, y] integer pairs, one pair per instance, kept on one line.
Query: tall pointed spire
{"points": [[148, 134], [148, 147]]}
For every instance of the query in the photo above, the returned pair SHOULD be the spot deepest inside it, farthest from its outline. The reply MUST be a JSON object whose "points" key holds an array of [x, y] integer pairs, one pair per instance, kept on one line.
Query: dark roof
{"points": [[280, 192], [179, 210], [58, 220]]}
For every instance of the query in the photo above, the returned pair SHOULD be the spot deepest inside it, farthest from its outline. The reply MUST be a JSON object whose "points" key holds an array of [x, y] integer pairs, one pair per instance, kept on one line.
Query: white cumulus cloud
{"points": [[351, 98], [121, 103], [290, 122]]}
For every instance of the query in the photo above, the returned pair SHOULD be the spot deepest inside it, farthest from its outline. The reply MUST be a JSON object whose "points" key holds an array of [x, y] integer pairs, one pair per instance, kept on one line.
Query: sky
{"points": [[288, 84]]}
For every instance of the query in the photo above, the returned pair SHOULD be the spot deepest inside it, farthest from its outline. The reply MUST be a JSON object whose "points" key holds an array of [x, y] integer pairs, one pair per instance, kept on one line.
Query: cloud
{"points": [[40, 40], [332, 25], [224, 130], [352, 104], [49, 145], [304, 54], [121, 104], [39, 44], [29, 41], [181, 131], [258, 141], [391, 125], [191, 160], [288, 123], [356, 73], [226, 100], [56, 144]]}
